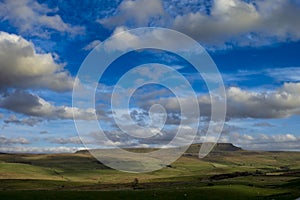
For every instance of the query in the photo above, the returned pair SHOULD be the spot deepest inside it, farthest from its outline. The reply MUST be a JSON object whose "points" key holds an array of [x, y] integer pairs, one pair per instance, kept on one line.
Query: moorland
{"points": [[228, 172]]}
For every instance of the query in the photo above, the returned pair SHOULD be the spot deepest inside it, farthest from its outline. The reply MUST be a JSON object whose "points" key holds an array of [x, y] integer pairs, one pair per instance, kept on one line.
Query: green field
{"points": [[225, 173]]}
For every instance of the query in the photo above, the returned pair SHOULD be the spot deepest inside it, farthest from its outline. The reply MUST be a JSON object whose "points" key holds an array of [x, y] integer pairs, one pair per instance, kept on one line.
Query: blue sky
{"points": [[255, 45]]}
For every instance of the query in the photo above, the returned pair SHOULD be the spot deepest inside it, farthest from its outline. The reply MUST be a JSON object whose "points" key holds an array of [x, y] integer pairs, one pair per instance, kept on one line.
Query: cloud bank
{"points": [[222, 23]]}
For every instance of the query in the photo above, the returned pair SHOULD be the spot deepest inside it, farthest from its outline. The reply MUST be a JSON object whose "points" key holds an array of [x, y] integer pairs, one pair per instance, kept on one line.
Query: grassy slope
{"points": [[188, 175], [225, 192]]}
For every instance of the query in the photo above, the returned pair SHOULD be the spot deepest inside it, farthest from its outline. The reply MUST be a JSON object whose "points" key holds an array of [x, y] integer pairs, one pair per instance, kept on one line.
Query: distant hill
{"points": [[193, 149], [226, 147], [219, 147], [228, 172]]}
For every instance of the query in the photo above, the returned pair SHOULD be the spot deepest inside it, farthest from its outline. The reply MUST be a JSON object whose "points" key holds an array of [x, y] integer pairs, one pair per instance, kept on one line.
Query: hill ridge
{"points": [[194, 148]]}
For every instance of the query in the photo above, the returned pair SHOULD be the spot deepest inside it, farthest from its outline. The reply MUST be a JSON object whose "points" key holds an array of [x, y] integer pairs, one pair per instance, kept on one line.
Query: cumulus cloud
{"points": [[283, 102], [234, 18], [276, 142], [260, 142], [22, 67], [115, 138], [35, 19], [32, 105], [280, 103], [227, 17], [29, 121], [4, 141], [70, 140], [139, 12], [230, 22], [157, 38]]}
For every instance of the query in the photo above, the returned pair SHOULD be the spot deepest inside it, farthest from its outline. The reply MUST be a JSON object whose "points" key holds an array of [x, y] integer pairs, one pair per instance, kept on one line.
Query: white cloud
{"points": [[115, 138], [243, 23], [22, 67], [149, 38], [91, 45], [264, 142], [27, 149], [279, 75], [33, 105], [35, 19], [139, 12], [228, 22], [276, 142], [70, 140], [284, 138], [4, 141], [30, 121], [281, 103], [228, 17], [284, 74]]}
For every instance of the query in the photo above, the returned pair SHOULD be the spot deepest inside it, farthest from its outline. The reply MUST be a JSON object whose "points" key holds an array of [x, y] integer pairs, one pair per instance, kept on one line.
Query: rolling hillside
{"points": [[226, 168]]}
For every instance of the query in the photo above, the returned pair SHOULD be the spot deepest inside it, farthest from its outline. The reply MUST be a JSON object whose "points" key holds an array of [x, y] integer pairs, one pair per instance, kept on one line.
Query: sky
{"points": [[255, 45]]}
